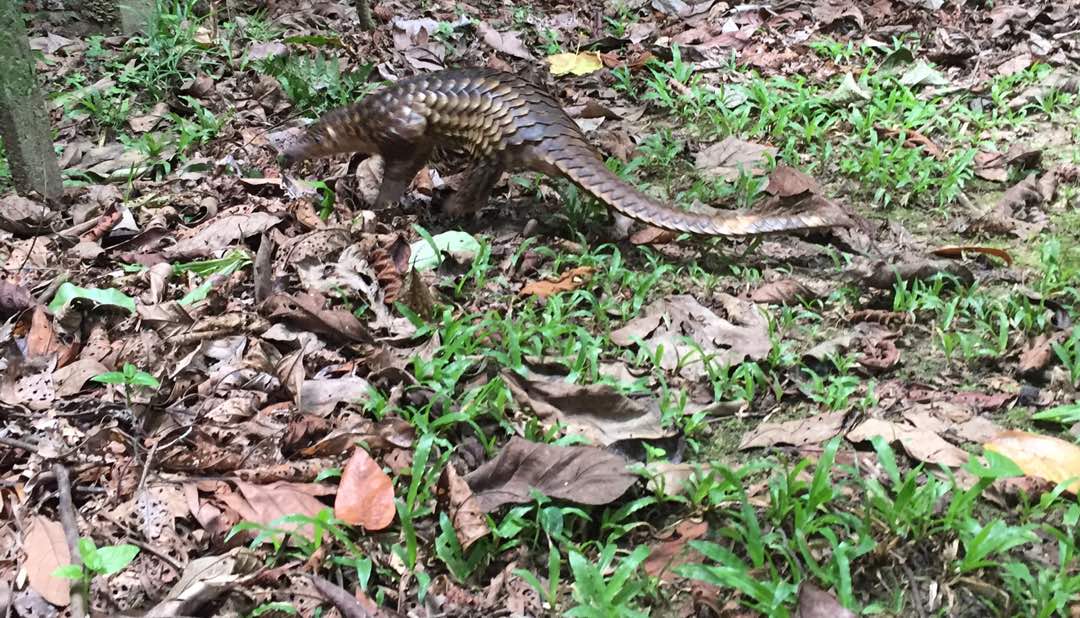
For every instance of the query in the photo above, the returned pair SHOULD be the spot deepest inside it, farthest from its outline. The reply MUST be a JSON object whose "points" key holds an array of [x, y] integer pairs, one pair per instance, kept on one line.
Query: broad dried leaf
{"points": [[1044, 457], [667, 321], [923, 445], [580, 474], [13, 299], [597, 411], [726, 159], [46, 550], [220, 233], [666, 556], [800, 432], [817, 603], [321, 396], [203, 580], [505, 42], [270, 502], [365, 494]]}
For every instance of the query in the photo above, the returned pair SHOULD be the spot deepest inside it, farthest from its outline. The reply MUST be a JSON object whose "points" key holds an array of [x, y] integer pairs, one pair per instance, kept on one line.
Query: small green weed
{"points": [[96, 560]]}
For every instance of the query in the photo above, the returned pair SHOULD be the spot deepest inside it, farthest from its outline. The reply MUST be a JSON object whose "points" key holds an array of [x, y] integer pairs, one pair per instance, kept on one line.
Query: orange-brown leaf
{"points": [[46, 549], [366, 495], [568, 281]]}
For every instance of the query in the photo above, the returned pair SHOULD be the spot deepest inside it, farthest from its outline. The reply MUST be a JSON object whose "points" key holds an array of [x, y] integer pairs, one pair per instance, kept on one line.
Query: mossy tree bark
{"points": [[24, 119]]}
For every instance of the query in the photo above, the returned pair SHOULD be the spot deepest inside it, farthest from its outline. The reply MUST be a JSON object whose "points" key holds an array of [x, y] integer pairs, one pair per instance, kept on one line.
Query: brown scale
{"points": [[505, 124]]}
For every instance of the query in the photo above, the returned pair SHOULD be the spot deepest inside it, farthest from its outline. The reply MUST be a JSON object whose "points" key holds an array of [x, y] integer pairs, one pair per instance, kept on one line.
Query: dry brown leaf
{"points": [[1044, 457], [783, 292], [506, 42], [567, 282], [726, 159], [46, 550], [813, 430], [365, 494], [922, 444], [668, 555], [13, 299], [267, 503], [597, 411], [469, 521], [742, 335], [817, 603], [581, 474]]}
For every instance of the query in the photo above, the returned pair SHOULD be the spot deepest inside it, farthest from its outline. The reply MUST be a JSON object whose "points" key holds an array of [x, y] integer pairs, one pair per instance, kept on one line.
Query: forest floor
{"points": [[250, 395]]}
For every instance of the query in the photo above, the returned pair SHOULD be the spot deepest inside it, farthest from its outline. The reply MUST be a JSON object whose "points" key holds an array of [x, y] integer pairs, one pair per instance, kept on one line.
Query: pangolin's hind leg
{"points": [[398, 172], [476, 190]]}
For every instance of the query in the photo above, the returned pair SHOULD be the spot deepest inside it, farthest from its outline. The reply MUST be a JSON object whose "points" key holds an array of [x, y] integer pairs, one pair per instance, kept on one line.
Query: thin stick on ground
{"points": [[71, 532]]}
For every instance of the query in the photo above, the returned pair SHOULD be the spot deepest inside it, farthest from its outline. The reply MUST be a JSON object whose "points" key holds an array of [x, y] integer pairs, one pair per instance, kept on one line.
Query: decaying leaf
{"points": [[597, 411], [468, 519], [922, 444], [47, 550], [728, 158], [581, 474], [566, 282], [813, 430], [670, 322]]}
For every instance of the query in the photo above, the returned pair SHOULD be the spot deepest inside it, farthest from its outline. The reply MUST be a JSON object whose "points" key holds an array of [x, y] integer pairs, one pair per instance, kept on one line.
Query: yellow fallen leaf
{"points": [[1044, 457], [579, 64]]}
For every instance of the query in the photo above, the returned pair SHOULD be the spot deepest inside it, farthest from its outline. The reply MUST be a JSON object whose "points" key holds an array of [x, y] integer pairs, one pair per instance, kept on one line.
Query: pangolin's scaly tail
{"points": [[580, 163]]}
